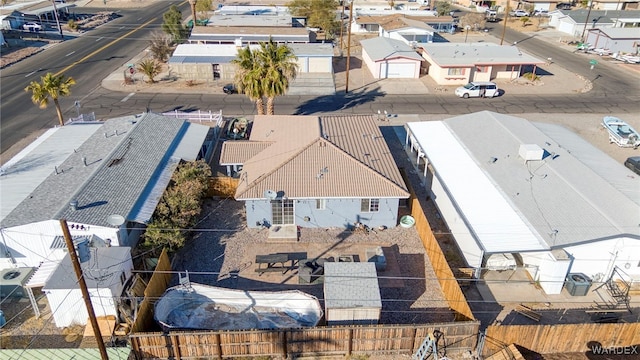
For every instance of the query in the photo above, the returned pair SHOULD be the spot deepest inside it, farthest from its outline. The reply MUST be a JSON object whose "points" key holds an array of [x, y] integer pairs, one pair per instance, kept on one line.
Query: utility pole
{"points": [[341, 27], [83, 288], [55, 13], [504, 27], [346, 88], [586, 21]]}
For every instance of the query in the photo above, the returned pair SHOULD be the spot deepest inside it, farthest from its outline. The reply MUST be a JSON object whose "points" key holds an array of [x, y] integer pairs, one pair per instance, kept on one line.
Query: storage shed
{"points": [[351, 293], [105, 274]]}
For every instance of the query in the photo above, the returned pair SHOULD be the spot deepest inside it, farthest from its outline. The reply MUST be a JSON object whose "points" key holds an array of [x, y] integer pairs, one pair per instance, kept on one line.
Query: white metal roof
{"points": [[30, 167], [574, 194], [496, 224], [453, 54], [42, 274]]}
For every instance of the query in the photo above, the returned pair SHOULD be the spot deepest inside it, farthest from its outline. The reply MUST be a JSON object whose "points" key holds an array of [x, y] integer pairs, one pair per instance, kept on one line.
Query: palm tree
{"points": [[50, 87], [151, 68], [249, 76], [280, 68], [193, 11]]}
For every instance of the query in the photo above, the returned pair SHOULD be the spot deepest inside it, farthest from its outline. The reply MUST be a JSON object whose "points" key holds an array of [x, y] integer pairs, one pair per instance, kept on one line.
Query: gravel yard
{"points": [[223, 253]]}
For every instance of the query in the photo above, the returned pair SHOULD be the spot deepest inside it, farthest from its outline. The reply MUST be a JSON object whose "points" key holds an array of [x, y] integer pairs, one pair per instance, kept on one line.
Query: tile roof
{"points": [[311, 157], [239, 151], [123, 161], [382, 48]]}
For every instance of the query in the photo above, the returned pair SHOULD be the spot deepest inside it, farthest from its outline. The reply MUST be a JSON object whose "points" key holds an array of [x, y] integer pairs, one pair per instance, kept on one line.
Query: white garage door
{"points": [[320, 64], [566, 27], [400, 70]]}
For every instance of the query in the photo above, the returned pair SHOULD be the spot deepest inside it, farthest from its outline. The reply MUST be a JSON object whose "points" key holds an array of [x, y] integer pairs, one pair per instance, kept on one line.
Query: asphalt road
{"points": [[92, 57], [609, 82], [88, 59]]}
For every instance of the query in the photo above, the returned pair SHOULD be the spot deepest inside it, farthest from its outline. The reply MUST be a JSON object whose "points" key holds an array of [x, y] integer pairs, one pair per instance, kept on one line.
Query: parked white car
{"points": [[519, 13], [478, 89], [31, 26]]}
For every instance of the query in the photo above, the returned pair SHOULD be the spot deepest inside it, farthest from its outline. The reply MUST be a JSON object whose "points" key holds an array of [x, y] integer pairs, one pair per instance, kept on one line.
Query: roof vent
{"points": [[73, 205], [530, 152]]}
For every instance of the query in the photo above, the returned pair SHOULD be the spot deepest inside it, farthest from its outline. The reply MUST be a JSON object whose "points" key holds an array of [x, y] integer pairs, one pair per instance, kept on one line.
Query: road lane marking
{"points": [[127, 97], [71, 53], [102, 48], [98, 39], [31, 73]]}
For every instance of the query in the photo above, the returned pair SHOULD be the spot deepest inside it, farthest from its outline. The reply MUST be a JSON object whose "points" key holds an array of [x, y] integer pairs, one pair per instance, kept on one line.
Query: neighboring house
{"points": [[617, 40], [253, 21], [505, 185], [577, 22], [460, 63], [408, 30], [105, 273], [367, 23], [252, 10], [209, 62], [43, 12], [390, 58], [104, 178], [301, 171], [241, 36], [616, 4]]}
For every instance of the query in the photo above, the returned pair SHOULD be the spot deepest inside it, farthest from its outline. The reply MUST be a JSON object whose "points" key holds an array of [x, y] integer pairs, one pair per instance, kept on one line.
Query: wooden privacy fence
{"points": [[546, 339], [156, 287], [222, 186], [320, 341], [450, 287]]}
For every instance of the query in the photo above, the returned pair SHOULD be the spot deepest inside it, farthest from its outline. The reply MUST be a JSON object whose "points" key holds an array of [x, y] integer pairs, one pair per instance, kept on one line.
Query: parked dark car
{"points": [[563, 6], [230, 89], [633, 163]]}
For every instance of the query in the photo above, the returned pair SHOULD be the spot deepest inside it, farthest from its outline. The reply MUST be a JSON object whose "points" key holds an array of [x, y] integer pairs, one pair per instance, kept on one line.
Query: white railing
{"points": [[199, 116]]}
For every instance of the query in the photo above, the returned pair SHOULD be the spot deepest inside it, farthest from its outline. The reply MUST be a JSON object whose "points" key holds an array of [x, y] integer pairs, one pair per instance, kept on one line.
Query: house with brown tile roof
{"points": [[330, 171]]}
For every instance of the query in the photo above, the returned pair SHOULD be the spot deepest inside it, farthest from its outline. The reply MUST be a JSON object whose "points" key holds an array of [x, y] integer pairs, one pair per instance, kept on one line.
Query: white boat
{"points": [[621, 133]]}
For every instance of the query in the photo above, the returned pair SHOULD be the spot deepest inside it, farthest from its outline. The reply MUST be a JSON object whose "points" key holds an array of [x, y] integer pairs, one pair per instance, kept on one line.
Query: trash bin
{"points": [[577, 284]]}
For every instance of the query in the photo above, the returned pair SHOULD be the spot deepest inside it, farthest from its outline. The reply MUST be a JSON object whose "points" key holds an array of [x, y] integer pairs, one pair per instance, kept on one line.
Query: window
{"points": [[321, 204], [282, 211], [512, 67], [456, 71], [370, 205], [482, 68], [216, 71]]}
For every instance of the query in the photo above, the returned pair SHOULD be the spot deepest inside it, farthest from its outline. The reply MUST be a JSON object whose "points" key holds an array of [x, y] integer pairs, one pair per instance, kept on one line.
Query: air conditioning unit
{"points": [[12, 282]]}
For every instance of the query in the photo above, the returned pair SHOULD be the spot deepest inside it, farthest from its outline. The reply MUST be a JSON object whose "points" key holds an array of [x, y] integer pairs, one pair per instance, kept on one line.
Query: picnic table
{"points": [[280, 262]]}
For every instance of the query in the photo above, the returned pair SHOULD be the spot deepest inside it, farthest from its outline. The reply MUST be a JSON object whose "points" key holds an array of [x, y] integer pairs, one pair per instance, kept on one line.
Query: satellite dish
{"points": [[115, 220], [270, 194]]}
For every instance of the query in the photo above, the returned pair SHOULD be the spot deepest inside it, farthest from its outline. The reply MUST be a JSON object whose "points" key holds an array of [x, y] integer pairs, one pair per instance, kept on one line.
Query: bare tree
{"points": [[475, 21]]}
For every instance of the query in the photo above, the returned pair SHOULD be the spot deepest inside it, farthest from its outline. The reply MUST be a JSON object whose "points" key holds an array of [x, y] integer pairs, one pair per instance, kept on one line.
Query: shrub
{"points": [[73, 25], [531, 76]]}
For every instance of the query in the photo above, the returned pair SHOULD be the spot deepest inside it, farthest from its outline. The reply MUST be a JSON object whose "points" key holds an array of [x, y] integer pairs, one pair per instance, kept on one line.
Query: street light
{"points": [[466, 32], [346, 88]]}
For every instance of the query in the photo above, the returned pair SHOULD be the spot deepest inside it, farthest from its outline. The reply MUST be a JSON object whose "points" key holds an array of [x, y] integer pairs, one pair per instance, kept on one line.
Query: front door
{"points": [[282, 212]]}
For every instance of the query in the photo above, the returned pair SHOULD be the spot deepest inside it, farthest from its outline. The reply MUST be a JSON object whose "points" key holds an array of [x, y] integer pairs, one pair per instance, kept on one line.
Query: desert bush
{"points": [[73, 25], [161, 46]]}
